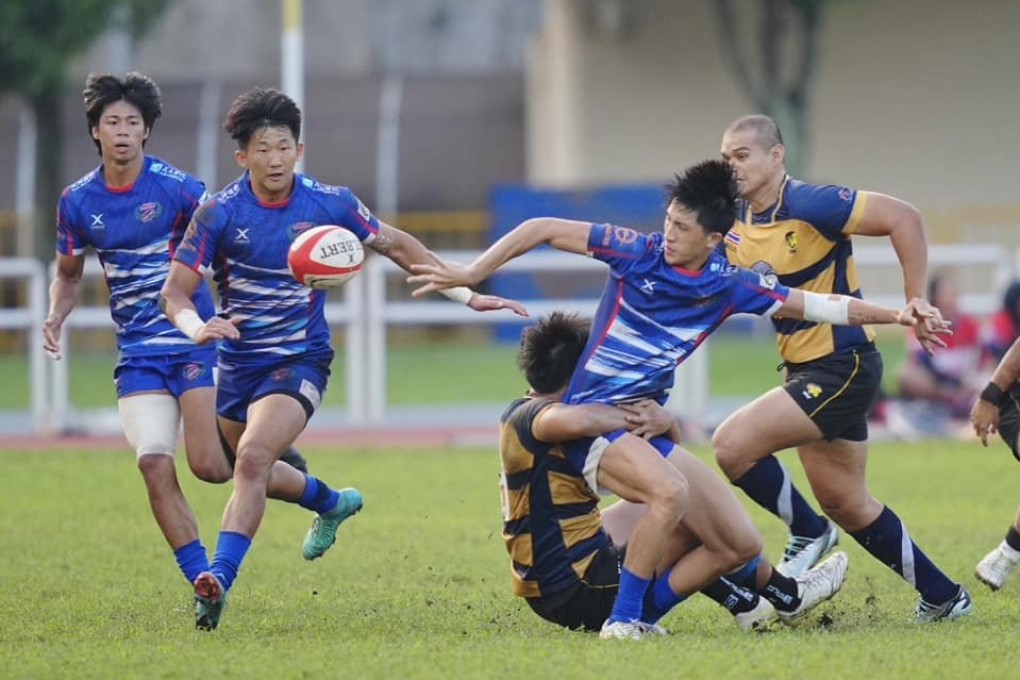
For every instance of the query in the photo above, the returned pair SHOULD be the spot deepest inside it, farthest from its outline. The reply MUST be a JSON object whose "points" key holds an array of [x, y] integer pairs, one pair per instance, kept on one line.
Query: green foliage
{"points": [[418, 584], [39, 38]]}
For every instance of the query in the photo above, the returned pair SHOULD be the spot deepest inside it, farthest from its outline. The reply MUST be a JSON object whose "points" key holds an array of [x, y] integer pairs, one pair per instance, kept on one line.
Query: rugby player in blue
{"points": [[274, 363], [800, 233], [666, 294], [133, 210]]}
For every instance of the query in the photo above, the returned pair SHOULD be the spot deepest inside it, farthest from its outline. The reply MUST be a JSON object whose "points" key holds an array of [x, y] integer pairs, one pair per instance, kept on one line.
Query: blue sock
{"points": [[230, 552], [747, 575], [317, 496], [192, 559], [768, 484], [630, 597], [659, 599], [887, 539]]}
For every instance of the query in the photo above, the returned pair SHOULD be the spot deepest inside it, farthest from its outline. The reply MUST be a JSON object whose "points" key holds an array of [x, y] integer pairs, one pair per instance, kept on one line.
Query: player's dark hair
{"points": [[766, 130], [710, 190], [137, 89], [258, 109], [550, 350]]}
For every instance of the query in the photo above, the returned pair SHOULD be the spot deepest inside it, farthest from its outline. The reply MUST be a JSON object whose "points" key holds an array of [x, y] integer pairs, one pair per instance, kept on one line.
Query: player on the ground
{"points": [[275, 360], [998, 410], [132, 210], [666, 294], [567, 555], [800, 233]]}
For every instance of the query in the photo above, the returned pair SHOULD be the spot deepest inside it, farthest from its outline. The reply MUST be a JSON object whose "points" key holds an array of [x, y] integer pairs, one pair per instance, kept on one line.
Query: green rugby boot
{"points": [[322, 535]]}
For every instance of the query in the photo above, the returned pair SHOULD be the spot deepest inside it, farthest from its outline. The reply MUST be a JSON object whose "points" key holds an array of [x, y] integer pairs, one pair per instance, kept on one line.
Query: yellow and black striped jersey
{"points": [[804, 239], [551, 520]]}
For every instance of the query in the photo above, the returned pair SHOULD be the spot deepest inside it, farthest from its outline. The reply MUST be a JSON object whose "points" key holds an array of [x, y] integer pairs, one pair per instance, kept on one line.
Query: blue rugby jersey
{"points": [[135, 230], [653, 315], [246, 242]]}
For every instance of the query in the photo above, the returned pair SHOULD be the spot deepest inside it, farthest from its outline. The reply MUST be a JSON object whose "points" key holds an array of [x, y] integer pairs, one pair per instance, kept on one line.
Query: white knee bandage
{"points": [[151, 422]]}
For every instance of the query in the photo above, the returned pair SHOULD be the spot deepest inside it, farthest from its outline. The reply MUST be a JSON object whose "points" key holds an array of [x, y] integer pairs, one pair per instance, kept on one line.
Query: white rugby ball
{"points": [[325, 257]]}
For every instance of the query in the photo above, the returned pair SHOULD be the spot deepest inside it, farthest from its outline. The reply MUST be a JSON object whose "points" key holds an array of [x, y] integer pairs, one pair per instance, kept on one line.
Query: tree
{"points": [[38, 40], [777, 70]]}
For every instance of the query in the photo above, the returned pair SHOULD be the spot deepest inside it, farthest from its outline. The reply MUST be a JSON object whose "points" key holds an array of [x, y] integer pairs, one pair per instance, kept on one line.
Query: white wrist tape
{"points": [[461, 294], [834, 309], [189, 322]]}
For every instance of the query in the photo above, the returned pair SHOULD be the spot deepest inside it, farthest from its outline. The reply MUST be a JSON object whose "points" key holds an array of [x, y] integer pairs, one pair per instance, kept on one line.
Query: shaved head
{"points": [[765, 129]]}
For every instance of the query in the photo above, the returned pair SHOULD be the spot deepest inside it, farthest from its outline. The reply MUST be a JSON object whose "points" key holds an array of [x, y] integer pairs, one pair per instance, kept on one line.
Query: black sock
{"points": [[733, 598], [1013, 539], [782, 592]]}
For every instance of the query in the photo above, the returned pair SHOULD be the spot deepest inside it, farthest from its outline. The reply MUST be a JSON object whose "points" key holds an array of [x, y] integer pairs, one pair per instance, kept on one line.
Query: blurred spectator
{"points": [[937, 391], [1003, 327]]}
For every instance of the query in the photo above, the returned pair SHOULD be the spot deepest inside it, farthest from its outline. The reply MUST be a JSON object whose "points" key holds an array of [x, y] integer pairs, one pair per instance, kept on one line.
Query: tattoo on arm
{"points": [[383, 242]]}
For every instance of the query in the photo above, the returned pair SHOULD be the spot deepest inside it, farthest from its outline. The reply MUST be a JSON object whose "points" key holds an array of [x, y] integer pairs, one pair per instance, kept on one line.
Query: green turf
{"points": [[431, 373], [418, 585]]}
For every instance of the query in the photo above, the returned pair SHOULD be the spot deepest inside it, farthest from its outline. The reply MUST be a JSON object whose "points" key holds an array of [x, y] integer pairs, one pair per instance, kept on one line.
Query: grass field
{"points": [[418, 585], [445, 373]]}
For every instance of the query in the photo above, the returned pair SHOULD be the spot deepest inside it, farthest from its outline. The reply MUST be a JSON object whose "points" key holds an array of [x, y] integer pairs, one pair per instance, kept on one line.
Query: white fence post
{"points": [[30, 319]]}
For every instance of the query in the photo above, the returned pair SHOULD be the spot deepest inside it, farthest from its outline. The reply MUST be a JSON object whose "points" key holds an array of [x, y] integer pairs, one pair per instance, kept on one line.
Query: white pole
{"points": [[387, 160], [208, 129], [292, 57], [24, 192]]}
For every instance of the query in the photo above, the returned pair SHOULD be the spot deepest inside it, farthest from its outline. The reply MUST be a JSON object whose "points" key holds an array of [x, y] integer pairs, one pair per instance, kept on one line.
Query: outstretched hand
{"points": [[489, 303], [927, 323], [432, 278]]}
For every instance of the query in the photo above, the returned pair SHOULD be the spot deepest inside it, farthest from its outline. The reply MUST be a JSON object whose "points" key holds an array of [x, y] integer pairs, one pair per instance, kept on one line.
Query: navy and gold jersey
{"points": [[551, 520], [804, 239]]}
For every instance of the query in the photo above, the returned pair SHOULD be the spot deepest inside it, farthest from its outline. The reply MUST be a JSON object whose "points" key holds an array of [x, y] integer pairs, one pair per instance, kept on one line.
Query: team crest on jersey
{"points": [[624, 235], [281, 374], [792, 242], [194, 371], [147, 212], [812, 391], [298, 228]]}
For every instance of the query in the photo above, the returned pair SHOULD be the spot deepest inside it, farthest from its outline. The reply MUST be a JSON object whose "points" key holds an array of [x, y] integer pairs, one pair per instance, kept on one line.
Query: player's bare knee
{"points": [[157, 470], [730, 453], [254, 463], [670, 494], [212, 468]]}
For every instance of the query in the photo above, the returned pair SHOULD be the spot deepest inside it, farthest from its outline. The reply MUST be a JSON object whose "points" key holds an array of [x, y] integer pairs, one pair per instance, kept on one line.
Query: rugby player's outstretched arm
{"points": [[566, 235], [843, 310], [407, 252]]}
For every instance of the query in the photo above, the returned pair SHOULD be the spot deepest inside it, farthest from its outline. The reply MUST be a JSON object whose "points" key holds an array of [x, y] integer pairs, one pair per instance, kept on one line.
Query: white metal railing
{"points": [[365, 315], [29, 319]]}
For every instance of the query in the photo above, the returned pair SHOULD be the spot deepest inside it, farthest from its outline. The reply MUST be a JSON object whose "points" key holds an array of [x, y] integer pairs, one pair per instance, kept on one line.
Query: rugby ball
{"points": [[325, 257]]}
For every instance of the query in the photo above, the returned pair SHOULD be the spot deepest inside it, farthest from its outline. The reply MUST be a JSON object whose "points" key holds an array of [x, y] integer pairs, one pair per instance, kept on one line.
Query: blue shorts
{"points": [[241, 385], [173, 373], [585, 455]]}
